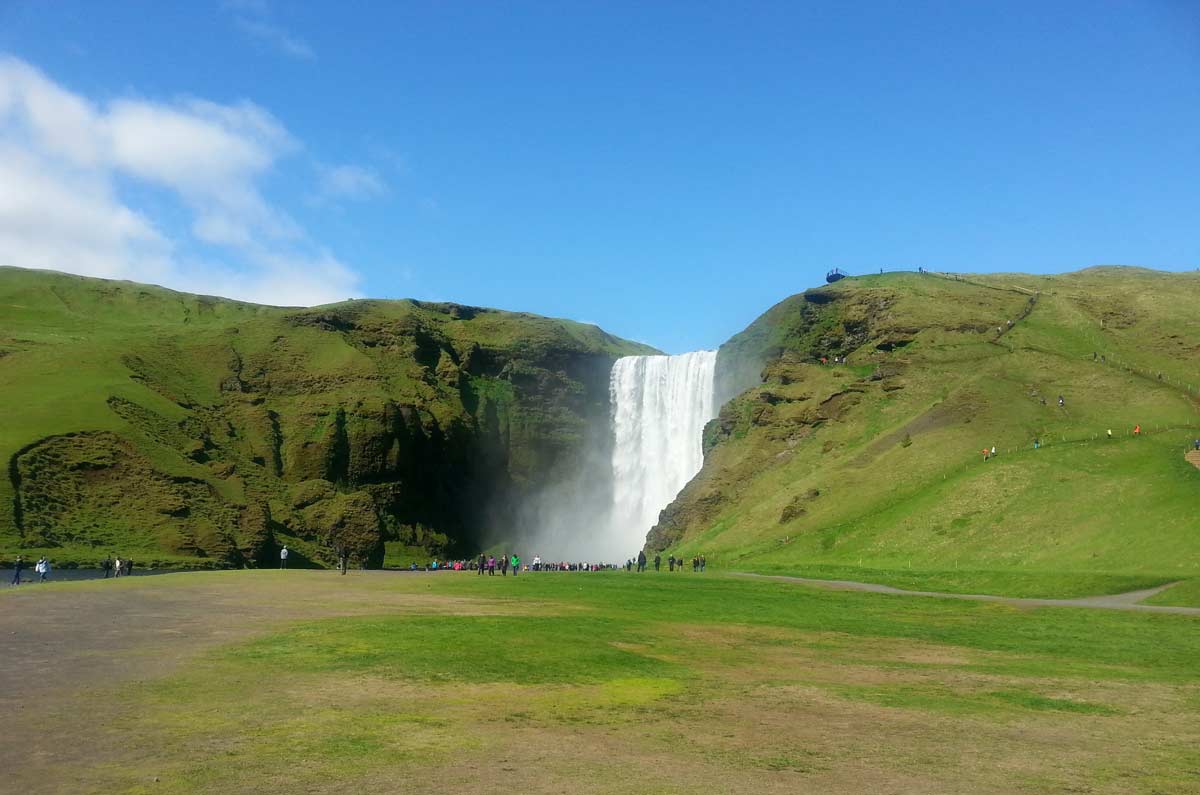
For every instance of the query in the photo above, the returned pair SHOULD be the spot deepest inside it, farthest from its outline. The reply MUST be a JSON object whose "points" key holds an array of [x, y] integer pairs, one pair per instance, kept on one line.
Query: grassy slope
{"points": [[1081, 515], [676, 681], [69, 344]]}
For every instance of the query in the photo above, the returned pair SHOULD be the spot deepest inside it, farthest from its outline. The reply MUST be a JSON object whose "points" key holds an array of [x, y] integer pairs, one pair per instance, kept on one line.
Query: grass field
{"points": [[570, 683]]}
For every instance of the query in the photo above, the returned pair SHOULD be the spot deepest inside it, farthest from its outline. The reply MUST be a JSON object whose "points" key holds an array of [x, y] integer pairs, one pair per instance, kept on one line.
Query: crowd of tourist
{"points": [[485, 564], [491, 564]]}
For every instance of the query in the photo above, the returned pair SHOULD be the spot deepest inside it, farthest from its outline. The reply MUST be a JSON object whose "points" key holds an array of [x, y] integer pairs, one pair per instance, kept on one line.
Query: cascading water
{"points": [[660, 406]]}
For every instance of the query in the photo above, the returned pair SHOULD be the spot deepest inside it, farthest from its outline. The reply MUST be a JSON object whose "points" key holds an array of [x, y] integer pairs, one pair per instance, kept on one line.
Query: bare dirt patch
{"points": [[73, 649]]}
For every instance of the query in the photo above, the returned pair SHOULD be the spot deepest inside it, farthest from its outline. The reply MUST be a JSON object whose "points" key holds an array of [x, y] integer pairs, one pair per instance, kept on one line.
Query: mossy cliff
{"points": [[877, 462], [201, 431]]}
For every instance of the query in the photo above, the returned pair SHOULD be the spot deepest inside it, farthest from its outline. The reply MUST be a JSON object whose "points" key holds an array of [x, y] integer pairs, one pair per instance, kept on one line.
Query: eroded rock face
{"points": [[242, 428]]}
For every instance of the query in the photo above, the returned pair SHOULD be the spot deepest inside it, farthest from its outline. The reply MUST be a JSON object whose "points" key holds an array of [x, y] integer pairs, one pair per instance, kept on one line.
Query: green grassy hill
{"points": [[873, 469], [193, 430]]}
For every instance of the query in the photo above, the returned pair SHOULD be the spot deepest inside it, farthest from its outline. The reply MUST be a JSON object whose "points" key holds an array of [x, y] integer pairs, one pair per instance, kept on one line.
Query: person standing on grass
{"points": [[1197, 444], [657, 561], [491, 566], [641, 560], [18, 565], [283, 556], [107, 566], [703, 563], [504, 565], [1137, 430], [516, 563], [1110, 433], [671, 563], [482, 563], [43, 569], [118, 566]]}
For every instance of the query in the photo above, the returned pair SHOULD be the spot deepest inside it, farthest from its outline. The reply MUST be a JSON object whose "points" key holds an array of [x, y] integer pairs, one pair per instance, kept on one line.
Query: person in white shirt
{"points": [[283, 553]]}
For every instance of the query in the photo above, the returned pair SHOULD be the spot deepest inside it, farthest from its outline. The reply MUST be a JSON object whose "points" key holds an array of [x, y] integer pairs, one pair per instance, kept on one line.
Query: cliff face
{"points": [[876, 461], [186, 428]]}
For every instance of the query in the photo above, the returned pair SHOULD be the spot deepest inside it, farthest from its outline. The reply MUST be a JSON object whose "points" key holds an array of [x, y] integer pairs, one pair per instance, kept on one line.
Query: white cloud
{"points": [[63, 160], [278, 280], [197, 147], [350, 182], [68, 220]]}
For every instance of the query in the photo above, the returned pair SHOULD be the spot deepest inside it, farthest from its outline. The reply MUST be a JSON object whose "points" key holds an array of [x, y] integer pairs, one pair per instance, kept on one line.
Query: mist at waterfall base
{"points": [[650, 450]]}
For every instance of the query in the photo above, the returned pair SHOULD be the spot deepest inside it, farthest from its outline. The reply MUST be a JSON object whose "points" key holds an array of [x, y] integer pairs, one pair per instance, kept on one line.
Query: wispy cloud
{"points": [[277, 37], [350, 182], [253, 18], [64, 160]]}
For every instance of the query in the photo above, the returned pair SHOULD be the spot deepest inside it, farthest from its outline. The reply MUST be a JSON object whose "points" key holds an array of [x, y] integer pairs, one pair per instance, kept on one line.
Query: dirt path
{"points": [[1120, 601]]}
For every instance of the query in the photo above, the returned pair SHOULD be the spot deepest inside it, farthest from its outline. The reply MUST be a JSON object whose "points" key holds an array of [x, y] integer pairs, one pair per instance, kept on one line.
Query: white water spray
{"points": [[660, 406]]}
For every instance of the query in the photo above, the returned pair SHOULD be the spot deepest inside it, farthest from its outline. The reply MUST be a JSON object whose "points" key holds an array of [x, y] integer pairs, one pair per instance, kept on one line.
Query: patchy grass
{"points": [[574, 649], [992, 703], [582, 682]]}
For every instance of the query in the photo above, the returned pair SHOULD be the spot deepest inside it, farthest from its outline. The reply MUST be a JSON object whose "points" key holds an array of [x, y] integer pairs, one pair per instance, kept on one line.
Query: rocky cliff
{"points": [[200, 431]]}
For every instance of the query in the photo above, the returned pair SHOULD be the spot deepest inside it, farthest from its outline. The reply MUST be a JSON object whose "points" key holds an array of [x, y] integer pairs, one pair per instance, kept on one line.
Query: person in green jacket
{"points": [[516, 564]]}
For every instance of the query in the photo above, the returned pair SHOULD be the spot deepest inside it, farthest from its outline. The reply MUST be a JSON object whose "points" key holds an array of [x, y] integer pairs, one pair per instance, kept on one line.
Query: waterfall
{"points": [[660, 406]]}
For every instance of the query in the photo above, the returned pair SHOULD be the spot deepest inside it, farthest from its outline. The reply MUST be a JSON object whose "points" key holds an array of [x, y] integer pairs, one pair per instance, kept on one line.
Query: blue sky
{"points": [[665, 170]]}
